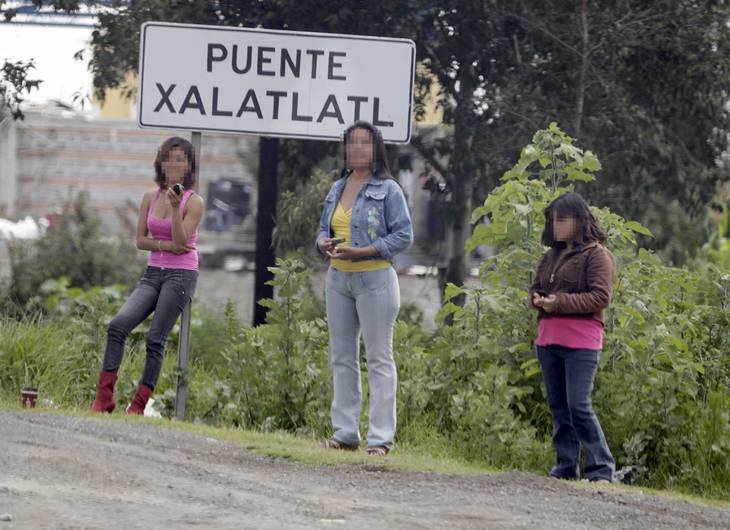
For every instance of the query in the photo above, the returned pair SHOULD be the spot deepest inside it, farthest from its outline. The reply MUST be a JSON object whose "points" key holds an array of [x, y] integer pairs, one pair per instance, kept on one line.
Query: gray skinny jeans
{"points": [[162, 291]]}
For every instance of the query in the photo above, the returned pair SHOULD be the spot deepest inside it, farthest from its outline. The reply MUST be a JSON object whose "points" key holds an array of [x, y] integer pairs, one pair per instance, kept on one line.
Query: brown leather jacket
{"points": [[581, 278]]}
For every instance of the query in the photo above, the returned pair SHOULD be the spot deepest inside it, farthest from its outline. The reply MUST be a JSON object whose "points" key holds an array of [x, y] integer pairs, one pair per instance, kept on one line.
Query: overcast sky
{"points": [[53, 48]]}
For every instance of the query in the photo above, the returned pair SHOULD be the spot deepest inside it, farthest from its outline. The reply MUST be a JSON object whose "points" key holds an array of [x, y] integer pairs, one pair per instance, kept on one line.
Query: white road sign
{"points": [[273, 83]]}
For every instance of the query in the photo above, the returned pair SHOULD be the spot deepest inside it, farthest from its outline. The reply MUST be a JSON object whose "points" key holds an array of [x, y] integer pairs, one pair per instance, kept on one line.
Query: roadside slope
{"points": [[61, 472]]}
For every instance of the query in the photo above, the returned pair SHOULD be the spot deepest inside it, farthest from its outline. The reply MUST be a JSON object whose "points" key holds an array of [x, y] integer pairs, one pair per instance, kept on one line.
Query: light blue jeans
{"points": [[371, 301]]}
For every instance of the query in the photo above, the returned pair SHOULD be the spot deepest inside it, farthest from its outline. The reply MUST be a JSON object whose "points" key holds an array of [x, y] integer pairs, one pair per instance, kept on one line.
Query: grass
{"points": [[308, 451], [293, 447], [668, 494]]}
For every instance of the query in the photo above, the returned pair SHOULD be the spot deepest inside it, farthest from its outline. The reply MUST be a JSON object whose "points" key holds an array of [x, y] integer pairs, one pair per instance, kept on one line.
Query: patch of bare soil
{"points": [[61, 472]]}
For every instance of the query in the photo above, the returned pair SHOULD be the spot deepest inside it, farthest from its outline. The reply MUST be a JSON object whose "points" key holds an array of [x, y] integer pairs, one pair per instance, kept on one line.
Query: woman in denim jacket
{"points": [[365, 222]]}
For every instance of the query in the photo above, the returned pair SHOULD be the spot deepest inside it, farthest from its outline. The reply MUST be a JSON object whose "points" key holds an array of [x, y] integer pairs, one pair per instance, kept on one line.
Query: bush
{"points": [[298, 211], [75, 248], [274, 376]]}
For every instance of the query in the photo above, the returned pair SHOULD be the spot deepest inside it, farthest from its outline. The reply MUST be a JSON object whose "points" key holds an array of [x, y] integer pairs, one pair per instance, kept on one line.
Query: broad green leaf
{"points": [[639, 228], [452, 291]]}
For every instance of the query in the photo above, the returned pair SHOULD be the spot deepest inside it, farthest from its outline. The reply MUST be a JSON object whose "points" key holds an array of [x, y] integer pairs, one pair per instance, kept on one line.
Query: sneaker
{"points": [[559, 477], [628, 474]]}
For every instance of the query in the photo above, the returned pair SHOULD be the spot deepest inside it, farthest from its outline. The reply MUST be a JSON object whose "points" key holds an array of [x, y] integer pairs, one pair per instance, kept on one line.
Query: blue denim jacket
{"points": [[379, 217]]}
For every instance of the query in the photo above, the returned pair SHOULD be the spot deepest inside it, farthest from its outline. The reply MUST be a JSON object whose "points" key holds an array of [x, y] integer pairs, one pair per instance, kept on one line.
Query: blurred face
{"points": [[563, 227], [360, 149], [175, 166]]}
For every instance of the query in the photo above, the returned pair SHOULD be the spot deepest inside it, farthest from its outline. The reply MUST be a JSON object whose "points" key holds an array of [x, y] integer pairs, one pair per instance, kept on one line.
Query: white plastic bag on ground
{"points": [[149, 410]]}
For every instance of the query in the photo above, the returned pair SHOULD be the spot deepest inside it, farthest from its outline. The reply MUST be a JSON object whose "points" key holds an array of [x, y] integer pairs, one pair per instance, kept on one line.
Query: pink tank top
{"points": [[162, 229], [570, 332]]}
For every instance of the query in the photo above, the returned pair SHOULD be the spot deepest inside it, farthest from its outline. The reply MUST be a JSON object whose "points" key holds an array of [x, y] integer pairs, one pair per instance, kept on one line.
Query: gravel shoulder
{"points": [[64, 472]]}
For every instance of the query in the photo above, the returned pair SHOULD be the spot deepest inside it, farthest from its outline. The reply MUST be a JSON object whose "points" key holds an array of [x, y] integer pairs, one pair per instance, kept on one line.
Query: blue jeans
{"points": [[164, 291], [568, 374], [371, 301]]}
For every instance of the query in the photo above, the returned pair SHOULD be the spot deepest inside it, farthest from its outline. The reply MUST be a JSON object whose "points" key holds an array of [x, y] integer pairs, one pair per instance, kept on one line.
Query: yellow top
{"points": [[341, 228]]}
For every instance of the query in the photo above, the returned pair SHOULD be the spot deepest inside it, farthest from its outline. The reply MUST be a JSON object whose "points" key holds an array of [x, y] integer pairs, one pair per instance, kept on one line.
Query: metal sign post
{"points": [[183, 345], [266, 216]]}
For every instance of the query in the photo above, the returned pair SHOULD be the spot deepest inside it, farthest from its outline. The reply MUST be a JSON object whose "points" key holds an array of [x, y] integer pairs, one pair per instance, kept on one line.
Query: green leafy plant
{"points": [[274, 376], [298, 214], [75, 247]]}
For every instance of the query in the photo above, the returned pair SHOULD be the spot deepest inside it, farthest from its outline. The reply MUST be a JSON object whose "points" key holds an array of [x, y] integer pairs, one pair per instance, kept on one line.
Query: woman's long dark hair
{"points": [[163, 153], [380, 156], [572, 205]]}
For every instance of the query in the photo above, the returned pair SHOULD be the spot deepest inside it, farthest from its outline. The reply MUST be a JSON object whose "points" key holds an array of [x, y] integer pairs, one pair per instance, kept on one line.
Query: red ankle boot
{"points": [[140, 400], [104, 401]]}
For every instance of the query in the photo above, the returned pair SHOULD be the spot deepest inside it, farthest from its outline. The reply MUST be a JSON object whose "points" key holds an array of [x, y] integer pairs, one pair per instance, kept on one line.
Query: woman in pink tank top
{"points": [[167, 227]]}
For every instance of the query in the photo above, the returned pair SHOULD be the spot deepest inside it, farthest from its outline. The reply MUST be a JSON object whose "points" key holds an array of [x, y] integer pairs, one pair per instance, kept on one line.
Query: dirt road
{"points": [[59, 472]]}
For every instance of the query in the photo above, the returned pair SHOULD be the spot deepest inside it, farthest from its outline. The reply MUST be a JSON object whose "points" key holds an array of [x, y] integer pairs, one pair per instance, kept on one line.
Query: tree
{"points": [[643, 82], [14, 82], [648, 81]]}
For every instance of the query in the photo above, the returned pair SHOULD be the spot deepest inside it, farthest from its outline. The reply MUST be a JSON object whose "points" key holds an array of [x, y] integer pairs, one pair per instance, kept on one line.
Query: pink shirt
{"points": [[570, 332], [162, 229]]}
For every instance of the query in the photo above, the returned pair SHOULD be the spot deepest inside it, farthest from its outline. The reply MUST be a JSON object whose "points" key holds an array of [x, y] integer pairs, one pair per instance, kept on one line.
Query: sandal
{"points": [[377, 450], [331, 443]]}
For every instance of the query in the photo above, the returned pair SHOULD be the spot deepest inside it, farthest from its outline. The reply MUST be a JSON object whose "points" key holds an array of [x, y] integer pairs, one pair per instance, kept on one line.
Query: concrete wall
{"points": [[8, 167], [56, 155], [112, 160]]}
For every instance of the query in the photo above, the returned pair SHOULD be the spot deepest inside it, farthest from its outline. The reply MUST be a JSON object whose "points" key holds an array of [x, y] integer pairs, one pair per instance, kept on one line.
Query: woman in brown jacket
{"points": [[572, 287]]}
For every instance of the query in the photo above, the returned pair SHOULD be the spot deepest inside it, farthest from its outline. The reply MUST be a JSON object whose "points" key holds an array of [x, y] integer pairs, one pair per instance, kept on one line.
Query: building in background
{"points": [[70, 141]]}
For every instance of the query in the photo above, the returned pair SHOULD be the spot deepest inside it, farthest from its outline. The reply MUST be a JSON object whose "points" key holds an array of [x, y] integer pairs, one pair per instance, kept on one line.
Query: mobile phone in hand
{"points": [[177, 188], [337, 241]]}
